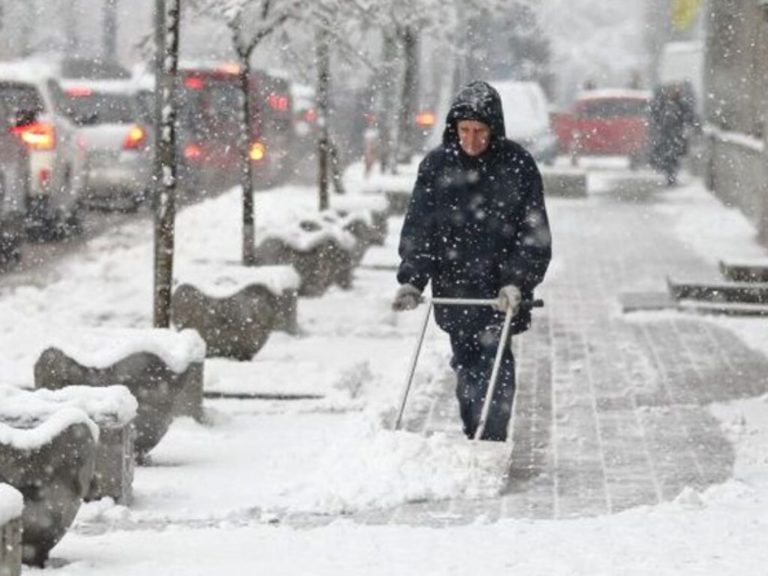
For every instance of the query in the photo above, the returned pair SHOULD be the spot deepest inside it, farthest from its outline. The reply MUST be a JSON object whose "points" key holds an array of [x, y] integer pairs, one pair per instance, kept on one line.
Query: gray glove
{"points": [[407, 297], [509, 297]]}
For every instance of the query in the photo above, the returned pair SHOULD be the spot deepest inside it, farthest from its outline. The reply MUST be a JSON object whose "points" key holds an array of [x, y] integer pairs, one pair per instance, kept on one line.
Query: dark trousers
{"points": [[473, 354]]}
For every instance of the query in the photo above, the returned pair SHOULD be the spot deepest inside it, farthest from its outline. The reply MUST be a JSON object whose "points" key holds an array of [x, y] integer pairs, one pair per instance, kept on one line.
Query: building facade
{"points": [[736, 106]]}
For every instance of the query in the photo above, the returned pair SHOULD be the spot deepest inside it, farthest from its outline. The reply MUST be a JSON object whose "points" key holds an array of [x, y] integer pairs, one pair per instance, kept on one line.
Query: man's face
{"points": [[474, 136]]}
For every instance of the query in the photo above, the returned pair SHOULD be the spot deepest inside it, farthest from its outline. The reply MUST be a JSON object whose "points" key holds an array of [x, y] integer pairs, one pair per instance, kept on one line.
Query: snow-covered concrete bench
{"points": [[395, 188], [112, 409], [235, 308], [633, 185], [11, 508], [163, 369], [322, 253], [564, 182], [371, 208], [50, 459]]}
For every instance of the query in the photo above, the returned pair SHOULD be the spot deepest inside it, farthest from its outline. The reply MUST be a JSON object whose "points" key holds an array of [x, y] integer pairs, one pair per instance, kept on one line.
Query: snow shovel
{"points": [[496, 363]]}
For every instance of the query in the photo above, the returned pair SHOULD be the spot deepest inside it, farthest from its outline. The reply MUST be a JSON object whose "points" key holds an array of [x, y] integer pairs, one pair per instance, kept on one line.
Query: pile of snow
{"points": [[11, 504], [369, 468]]}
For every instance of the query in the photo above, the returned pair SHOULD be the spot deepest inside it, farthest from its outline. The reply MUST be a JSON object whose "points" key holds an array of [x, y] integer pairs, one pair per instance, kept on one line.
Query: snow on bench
{"points": [[234, 307], [163, 369], [113, 410], [11, 508], [49, 458], [745, 270], [322, 252]]}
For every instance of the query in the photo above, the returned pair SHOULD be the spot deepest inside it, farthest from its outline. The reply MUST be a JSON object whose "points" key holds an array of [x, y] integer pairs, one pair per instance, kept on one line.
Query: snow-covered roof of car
{"points": [[103, 86], [613, 93], [29, 71]]}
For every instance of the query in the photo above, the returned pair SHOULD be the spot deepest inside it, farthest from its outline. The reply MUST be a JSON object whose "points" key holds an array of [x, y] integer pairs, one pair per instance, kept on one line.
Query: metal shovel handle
{"points": [[526, 304]]}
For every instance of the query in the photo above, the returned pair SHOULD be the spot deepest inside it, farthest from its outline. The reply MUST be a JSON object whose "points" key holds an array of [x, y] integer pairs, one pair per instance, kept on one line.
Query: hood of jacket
{"points": [[477, 100]]}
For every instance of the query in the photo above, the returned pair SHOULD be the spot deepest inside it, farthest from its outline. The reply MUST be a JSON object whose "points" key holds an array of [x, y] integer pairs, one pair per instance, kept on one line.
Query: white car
{"points": [[112, 164], [52, 207], [526, 118]]}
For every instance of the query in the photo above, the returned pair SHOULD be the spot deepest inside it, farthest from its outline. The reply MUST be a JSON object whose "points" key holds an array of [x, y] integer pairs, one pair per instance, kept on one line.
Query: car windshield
{"points": [[614, 107], [22, 102], [86, 107]]}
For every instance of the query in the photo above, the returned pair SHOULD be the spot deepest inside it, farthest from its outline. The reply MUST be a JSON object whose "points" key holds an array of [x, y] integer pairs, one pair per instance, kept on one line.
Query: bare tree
{"points": [[249, 22], [166, 65], [110, 30]]}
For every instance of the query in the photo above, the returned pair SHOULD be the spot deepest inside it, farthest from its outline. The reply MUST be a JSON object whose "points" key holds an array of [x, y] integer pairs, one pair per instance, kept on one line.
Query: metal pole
{"points": [[412, 369], [494, 375], [497, 363]]}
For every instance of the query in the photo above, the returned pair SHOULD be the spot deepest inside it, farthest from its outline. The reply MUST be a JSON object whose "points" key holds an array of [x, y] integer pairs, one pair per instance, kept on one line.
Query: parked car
{"points": [[52, 207], [112, 165], [606, 123], [526, 118], [14, 178]]}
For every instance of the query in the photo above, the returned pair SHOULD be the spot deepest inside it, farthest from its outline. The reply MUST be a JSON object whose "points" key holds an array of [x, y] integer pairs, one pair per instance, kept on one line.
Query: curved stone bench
{"points": [[50, 460], [219, 281], [163, 369], [321, 253], [11, 509], [112, 409], [564, 182], [372, 208]]}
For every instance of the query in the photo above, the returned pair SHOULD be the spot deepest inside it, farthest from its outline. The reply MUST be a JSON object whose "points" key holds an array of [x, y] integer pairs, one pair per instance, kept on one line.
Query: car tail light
{"points": [[278, 102], [193, 152], [79, 91], [44, 176], [310, 116], [425, 119], [37, 136], [135, 138], [194, 83], [258, 151]]}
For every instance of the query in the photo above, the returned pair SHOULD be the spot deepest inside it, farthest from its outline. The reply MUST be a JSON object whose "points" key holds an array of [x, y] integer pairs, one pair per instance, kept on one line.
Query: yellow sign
{"points": [[684, 13]]}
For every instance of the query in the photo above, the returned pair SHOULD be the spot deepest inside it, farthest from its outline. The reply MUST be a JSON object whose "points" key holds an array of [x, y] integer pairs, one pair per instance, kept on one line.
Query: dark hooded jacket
{"points": [[476, 224]]}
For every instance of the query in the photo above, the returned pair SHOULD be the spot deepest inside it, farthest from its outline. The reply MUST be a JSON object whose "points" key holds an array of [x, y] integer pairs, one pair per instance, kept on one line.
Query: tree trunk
{"points": [[246, 168], [323, 92], [410, 43], [110, 30], [387, 85], [71, 20], [338, 181], [166, 65]]}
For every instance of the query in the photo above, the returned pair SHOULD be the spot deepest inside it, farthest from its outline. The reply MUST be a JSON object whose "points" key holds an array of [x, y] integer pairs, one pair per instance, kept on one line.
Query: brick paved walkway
{"points": [[611, 409]]}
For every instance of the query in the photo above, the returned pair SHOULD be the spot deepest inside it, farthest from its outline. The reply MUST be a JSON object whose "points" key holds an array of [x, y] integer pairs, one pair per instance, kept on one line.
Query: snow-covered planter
{"points": [[50, 459], [564, 182], [11, 508], [112, 409], [163, 369], [322, 252], [634, 185], [235, 308], [396, 188], [372, 209]]}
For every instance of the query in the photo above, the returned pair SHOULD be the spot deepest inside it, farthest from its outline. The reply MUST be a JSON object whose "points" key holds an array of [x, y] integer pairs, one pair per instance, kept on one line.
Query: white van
{"points": [[526, 118]]}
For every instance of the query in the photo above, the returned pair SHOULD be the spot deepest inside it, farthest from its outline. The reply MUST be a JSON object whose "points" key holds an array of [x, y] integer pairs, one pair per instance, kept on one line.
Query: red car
{"points": [[606, 123]]}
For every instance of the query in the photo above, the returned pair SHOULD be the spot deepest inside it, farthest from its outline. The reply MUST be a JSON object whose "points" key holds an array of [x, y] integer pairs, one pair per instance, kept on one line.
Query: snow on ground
{"points": [[212, 498]]}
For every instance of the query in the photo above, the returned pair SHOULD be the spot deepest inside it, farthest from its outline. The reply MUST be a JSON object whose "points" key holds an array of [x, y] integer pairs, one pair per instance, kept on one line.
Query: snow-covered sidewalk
{"points": [[289, 487]]}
